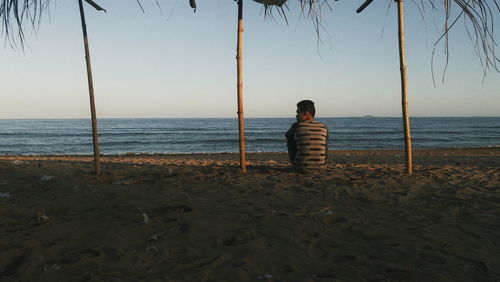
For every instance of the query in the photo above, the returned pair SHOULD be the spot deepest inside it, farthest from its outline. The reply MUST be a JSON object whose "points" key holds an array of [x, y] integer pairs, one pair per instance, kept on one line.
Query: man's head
{"points": [[305, 110]]}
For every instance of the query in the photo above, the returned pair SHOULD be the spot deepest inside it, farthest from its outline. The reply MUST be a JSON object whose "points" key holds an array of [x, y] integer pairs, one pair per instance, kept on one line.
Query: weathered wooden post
{"points": [[241, 125], [95, 139], [404, 90]]}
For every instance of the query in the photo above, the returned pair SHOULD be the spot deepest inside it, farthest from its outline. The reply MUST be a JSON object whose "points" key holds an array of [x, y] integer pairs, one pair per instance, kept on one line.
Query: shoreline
{"points": [[461, 150], [446, 156]]}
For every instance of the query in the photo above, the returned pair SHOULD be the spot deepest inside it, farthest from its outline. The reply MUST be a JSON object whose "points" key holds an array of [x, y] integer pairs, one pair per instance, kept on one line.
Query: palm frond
{"points": [[15, 14], [311, 9], [479, 18]]}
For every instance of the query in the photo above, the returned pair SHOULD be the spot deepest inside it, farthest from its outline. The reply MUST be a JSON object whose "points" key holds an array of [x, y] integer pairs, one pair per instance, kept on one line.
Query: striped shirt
{"points": [[308, 145]]}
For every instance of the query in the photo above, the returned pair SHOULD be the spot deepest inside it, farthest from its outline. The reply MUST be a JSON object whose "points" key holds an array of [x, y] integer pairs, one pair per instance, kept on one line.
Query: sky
{"points": [[175, 63]]}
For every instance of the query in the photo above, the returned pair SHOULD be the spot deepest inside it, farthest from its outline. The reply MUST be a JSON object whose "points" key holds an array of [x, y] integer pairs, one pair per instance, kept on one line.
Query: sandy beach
{"points": [[197, 218]]}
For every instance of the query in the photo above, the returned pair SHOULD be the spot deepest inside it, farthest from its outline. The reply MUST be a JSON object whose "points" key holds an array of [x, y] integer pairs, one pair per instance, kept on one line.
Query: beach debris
{"points": [[156, 236], [324, 211], [47, 178], [324, 275], [5, 195], [19, 162], [153, 249], [123, 182], [53, 267], [183, 209], [170, 170], [41, 218], [265, 276], [145, 217]]}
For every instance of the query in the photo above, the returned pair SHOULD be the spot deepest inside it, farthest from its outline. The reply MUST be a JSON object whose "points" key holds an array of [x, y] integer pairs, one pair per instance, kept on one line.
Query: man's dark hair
{"points": [[306, 106]]}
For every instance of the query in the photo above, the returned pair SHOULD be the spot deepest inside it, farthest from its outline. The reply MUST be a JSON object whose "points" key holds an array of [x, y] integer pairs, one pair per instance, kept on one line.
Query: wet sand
{"points": [[197, 218]]}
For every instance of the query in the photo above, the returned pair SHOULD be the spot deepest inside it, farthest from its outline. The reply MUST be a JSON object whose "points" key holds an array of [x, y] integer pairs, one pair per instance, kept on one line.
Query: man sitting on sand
{"points": [[307, 139]]}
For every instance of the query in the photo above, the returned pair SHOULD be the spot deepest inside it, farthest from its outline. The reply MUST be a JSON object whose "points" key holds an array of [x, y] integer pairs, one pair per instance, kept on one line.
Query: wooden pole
{"points": [[241, 126], [404, 91], [95, 140]]}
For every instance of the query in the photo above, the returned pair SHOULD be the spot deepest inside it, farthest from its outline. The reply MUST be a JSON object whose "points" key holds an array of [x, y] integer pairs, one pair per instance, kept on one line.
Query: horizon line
{"points": [[320, 117]]}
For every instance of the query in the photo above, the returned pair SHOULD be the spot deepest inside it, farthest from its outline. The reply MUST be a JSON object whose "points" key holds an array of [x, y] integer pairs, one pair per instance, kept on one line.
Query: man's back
{"points": [[311, 138]]}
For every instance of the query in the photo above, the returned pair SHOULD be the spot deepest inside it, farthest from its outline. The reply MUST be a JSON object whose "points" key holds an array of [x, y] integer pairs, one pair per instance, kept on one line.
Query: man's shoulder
{"points": [[311, 129], [314, 123]]}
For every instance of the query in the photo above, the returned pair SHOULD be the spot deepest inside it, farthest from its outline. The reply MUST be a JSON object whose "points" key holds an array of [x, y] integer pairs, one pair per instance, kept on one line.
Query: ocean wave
{"points": [[221, 135]]}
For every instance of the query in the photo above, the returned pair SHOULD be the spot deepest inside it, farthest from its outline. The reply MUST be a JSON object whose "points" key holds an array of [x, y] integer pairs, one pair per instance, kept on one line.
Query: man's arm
{"points": [[291, 142], [326, 143]]}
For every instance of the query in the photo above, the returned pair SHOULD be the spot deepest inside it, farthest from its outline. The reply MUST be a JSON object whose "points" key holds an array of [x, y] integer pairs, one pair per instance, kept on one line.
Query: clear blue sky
{"points": [[182, 64]]}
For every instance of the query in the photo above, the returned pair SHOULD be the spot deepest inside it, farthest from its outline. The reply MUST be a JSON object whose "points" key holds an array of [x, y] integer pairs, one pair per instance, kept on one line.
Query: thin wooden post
{"points": [[404, 91], [241, 126], [95, 140]]}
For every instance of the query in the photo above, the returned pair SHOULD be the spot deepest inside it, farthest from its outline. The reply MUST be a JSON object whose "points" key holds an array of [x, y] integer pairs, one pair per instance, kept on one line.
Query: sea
{"points": [[167, 136]]}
